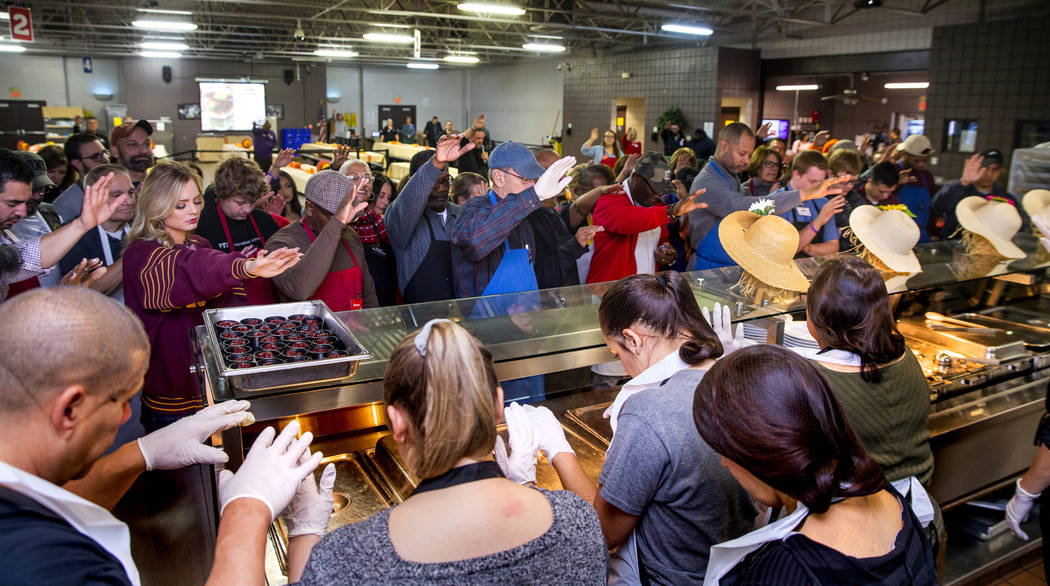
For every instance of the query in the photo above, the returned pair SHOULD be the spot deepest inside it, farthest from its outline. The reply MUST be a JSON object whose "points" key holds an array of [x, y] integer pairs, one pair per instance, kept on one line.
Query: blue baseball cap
{"points": [[516, 156]]}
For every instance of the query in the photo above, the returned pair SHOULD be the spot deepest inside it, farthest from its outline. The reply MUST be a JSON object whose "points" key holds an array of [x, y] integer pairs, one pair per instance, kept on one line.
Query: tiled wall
{"points": [[687, 78], [997, 73]]}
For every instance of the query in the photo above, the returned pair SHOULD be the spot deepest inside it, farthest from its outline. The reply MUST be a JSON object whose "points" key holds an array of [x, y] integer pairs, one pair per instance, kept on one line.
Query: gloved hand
{"points": [[1042, 223], [549, 434], [272, 471], [311, 507], [520, 465], [1018, 508], [553, 181], [721, 321], [179, 444]]}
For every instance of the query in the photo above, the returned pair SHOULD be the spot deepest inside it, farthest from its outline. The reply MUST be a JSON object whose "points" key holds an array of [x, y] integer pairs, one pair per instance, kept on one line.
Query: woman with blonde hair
{"points": [[465, 523], [682, 158], [171, 276]]}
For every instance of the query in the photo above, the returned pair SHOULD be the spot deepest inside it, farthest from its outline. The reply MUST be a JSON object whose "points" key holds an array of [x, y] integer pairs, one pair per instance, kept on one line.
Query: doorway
{"points": [[629, 113], [729, 115], [398, 114]]}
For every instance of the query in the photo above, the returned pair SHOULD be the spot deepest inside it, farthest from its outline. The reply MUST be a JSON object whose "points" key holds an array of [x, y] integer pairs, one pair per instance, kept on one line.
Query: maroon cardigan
{"points": [[168, 289]]}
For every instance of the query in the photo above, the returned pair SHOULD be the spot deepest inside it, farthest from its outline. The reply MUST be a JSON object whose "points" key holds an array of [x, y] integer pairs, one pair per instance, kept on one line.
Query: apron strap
{"points": [[226, 227], [310, 233]]}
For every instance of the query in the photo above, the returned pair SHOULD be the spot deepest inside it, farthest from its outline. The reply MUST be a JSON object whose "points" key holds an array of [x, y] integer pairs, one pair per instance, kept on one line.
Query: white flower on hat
{"points": [[762, 207]]}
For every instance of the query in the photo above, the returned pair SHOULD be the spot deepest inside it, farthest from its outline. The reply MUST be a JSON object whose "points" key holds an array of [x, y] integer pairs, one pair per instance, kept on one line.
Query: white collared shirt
{"points": [[85, 516], [645, 246], [649, 378]]}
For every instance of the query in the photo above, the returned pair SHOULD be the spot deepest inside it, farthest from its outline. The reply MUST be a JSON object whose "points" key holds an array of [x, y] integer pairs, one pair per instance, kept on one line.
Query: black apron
{"points": [[379, 257], [433, 278]]}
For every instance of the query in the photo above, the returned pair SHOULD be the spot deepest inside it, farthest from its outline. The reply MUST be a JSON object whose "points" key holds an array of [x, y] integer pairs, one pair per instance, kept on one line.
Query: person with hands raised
{"points": [[980, 177], [663, 497], [419, 222], [171, 276], [604, 153], [332, 268], [443, 402], [60, 386], [493, 246], [635, 222]]}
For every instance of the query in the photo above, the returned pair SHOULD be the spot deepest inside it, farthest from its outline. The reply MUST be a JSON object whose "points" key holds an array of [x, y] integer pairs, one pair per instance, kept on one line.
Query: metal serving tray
{"points": [[995, 347], [287, 375]]}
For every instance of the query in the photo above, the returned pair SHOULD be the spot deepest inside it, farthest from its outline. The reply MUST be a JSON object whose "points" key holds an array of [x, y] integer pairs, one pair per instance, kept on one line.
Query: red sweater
{"points": [[169, 289], [630, 148], [614, 247]]}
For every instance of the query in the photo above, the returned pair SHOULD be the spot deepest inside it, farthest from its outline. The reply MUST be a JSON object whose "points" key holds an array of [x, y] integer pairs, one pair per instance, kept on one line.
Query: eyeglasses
{"points": [[99, 157], [771, 164], [516, 175]]}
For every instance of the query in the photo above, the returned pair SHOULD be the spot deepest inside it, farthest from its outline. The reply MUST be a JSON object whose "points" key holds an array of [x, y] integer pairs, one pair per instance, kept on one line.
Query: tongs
{"points": [[958, 325]]}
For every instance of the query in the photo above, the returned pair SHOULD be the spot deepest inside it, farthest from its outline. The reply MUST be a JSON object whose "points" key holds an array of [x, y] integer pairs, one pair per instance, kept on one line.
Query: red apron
{"points": [[22, 286], [341, 290], [259, 290]]}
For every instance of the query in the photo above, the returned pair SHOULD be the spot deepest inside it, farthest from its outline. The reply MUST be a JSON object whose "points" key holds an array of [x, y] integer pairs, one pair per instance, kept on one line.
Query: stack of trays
{"points": [[796, 335]]}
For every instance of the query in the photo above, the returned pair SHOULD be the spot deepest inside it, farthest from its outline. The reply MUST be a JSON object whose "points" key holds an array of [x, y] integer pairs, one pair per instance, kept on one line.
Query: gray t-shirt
{"points": [[659, 469], [572, 551]]}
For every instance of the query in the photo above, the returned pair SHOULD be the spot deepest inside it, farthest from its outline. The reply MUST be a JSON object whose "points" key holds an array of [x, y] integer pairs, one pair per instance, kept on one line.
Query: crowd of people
{"points": [[730, 463]]}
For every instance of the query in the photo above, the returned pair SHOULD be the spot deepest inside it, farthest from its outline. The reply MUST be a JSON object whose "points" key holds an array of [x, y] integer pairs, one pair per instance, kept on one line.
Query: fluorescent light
{"points": [[337, 53], [555, 37], [909, 85], [389, 38], [504, 9], [686, 29], [164, 25], [421, 65], [160, 54], [5, 16], [164, 46], [461, 59], [798, 88], [543, 47], [160, 11], [12, 49]]}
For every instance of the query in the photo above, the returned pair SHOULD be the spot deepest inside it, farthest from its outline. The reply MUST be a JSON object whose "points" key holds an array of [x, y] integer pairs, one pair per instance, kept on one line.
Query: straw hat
{"points": [[890, 235], [1036, 202], [765, 247], [996, 222]]}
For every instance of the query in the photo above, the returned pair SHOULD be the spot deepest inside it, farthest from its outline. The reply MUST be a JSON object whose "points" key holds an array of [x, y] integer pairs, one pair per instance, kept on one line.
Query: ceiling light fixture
{"points": [[5, 16], [160, 54], [543, 47], [461, 59], [336, 53], [482, 8], [164, 46], [164, 25], [907, 85], [555, 37], [161, 11], [422, 65], [12, 49], [686, 29], [389, 38], [798, 88]]}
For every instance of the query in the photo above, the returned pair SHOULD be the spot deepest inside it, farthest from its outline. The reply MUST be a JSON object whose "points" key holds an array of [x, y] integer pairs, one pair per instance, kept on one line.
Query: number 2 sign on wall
{"points": [[21, 24]]}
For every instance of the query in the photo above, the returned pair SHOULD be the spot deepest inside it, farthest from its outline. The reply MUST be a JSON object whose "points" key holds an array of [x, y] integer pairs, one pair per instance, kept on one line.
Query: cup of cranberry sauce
{"points": [[227, 324]]}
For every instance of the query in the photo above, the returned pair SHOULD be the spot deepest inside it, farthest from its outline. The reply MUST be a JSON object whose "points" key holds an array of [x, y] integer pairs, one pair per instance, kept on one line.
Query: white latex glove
{"points": [[520, 465], [179, 444], [311, 506], [272, 471], [1018, 508], [721, 321], [1042, 223], [553, 181], [549, 434]]}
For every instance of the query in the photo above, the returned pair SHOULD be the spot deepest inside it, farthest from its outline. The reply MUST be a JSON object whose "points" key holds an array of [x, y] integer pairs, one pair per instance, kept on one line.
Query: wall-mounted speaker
{"points": [[165, 73], [289, 76]]}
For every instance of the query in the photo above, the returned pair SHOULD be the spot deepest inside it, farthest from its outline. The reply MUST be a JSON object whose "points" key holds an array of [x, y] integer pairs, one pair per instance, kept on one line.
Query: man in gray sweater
{"points": [[419, 223], [724, 195]]}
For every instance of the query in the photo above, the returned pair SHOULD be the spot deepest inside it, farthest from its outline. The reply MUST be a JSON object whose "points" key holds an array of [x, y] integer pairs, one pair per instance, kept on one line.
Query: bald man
{"points": [[71, 362], [556, 247]]}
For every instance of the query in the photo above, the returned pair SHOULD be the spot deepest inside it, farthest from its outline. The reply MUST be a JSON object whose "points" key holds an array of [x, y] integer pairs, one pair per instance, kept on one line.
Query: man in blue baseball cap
{"points": [[493, 247]]}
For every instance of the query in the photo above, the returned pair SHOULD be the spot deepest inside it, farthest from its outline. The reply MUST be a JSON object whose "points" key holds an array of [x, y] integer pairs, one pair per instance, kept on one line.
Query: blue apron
{"points": [[710, 254], [514, 274]]}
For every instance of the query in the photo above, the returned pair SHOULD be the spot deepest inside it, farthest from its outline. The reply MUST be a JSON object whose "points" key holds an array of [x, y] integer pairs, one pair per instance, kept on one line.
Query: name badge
{"points": [[803, 212]]}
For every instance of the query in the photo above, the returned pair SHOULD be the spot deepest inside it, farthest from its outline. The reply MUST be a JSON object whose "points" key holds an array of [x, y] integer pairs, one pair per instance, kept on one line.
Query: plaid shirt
{"points": [[30, 251], [478, 235]]}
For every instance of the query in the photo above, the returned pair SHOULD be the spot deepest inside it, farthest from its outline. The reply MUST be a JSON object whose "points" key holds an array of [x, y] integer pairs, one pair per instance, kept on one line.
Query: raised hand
{"points": [[763, 132], [906, 177], [271, 203], [269, 264], [831, 208], [688, 204], [594, 134], [98, 206], [586, 233], [628, 166], [721, 322], [448, 148], [342, 153], [553, 181], [479, 122], [972, 169], [349, 208], [284, 157], [829, 187]]}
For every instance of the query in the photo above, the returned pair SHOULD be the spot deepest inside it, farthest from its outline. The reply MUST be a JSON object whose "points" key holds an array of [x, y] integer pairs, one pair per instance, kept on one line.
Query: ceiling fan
{"points": [[851, 96]]}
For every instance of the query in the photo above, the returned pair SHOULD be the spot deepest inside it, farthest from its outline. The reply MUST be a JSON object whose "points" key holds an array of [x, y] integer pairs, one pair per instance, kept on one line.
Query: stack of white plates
{"points": [[796, 335], [755, 333]]}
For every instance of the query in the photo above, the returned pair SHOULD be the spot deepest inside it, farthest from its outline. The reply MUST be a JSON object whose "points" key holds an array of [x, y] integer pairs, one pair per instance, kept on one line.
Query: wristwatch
{"points": [[671, 216]]}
